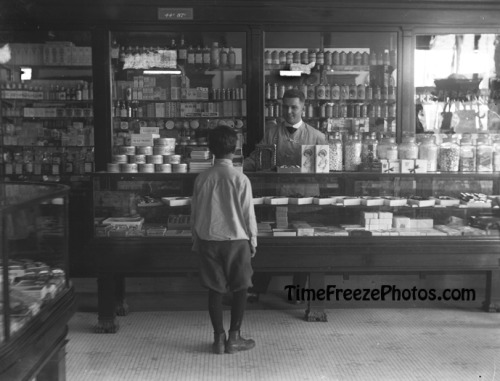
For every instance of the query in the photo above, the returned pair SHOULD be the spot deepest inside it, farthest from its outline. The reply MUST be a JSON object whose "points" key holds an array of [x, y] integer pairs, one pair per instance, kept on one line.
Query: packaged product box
{"points": [[367, 215], [372, 201], [401, 222], [284, 233], [322, 159], [387, 215], [407, 166], [303, 229], [390, 166], [322, 200], [420, 166], [300, 200], [307, 159]]}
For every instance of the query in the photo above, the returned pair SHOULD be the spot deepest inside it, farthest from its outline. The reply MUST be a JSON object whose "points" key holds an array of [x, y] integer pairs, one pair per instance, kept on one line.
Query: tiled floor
{"points": [[411, 343]]}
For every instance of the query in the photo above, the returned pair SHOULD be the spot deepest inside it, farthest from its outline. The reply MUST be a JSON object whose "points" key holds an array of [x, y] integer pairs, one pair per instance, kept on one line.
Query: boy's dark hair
{"points": [[222, 141], [294, 93]]}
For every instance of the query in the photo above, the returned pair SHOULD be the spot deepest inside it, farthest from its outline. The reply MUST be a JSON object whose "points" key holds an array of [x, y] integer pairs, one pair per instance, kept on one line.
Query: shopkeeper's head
{"points": [[222, 142], [293, 105]]}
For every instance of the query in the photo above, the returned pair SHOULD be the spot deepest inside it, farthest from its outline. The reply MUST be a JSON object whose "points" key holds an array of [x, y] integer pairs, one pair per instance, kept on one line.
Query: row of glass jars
{"points": [[450, 155]]}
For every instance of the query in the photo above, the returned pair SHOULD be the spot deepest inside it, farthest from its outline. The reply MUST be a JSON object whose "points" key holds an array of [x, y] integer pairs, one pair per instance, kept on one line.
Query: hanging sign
{"points": [[175, 13]]}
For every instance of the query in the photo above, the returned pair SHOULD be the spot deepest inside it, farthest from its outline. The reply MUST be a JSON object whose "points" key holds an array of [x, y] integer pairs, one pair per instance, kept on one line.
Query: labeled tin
{"points": [[137, 159], [119, 159], [145, 150], [128, 168], [163, 150], [163, 168], [113, 167], [154, 159], [179, 168], [126, 150], [164, 142], [172, 159], [146, 168]]}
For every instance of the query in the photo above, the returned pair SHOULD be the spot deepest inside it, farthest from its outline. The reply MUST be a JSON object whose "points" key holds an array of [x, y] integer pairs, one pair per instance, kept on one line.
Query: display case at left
{"points": [[36, 298]]}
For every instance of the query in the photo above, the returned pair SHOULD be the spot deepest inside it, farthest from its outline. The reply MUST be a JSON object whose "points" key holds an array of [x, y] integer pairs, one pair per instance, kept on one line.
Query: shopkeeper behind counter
{"points": [[288, 135]]}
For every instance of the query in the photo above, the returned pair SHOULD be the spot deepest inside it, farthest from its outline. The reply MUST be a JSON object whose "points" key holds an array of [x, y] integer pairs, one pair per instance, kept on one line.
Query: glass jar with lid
{"points": [[352, 153], [335, 144], [408, 149], [369, 148], [467, 154], [496, 153], [484, 154], [428, 150], [449, 155], [387, 149]]}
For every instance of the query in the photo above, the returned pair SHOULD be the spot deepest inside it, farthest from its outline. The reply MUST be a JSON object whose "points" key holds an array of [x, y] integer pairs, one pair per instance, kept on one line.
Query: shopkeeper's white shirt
{"points": [[222, 205]]}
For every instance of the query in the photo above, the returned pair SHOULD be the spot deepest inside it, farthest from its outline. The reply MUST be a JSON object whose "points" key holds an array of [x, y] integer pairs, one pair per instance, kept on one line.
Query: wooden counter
{"points": [[317, 256]]}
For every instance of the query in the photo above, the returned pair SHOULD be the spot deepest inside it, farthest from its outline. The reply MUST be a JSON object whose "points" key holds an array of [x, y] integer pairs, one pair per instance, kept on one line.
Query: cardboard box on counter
{"points": [[322, 160], [390, 166], [307, 159]]}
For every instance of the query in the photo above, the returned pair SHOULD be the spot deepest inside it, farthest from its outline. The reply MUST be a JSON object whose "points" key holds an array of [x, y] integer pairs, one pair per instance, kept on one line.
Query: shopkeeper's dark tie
{"points": [[291, 129]]}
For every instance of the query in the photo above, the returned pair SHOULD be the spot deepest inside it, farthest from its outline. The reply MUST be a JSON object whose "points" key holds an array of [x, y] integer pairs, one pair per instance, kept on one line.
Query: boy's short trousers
{"points": [[225, 265]]}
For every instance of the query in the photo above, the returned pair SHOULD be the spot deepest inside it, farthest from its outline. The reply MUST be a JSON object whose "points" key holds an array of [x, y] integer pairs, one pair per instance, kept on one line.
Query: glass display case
{"points": [[46, 100], [349, 79], [34, 258], [169, 90], [295, 205]]}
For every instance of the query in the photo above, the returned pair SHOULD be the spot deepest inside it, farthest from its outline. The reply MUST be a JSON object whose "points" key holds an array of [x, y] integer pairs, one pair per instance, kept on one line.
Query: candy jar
{"points": [[496, 154], [369, 148], [484, 154], [449, 154], [387, 149], [467, 155], [428, 150], [408, 149], [352, 153], [335, 144]]}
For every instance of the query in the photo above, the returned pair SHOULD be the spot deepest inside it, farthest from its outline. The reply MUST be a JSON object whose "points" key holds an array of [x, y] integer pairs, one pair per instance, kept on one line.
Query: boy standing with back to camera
{"points": [[224, 232]]}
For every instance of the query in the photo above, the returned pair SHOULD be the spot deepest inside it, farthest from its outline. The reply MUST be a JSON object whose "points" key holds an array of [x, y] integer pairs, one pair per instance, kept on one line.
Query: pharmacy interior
{"points": [[118, 107]]}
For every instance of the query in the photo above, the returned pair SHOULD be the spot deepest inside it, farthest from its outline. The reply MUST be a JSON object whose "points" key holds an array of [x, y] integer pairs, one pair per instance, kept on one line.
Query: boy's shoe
{"points": [[236, 343], [253, 297], [219, 344]]}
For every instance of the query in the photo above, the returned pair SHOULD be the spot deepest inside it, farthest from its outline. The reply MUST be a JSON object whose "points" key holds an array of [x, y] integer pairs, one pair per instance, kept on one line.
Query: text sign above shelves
{"points": [[175, 13]]}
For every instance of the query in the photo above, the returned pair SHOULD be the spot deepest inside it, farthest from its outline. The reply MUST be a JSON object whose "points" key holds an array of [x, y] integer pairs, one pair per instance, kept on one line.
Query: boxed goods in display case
{"points": [[378, 203], [33, 268]]}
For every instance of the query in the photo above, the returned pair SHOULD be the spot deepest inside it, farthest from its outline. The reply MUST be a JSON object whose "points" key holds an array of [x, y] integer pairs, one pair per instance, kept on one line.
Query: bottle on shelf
{"points": [[182, 52], [231, 58], [275, 60], [198, 57], [206, 57], [190, 58], [215, 55], [223, 57]]}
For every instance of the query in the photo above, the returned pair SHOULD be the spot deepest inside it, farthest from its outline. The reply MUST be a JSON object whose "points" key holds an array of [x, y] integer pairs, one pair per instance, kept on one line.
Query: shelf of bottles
{"points": [[179, 90], [47, 118], [351, 86]]}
